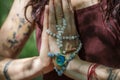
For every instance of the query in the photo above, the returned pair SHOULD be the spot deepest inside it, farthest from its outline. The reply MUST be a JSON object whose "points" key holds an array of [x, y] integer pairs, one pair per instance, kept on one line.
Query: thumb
{"points": [[45, 43]]}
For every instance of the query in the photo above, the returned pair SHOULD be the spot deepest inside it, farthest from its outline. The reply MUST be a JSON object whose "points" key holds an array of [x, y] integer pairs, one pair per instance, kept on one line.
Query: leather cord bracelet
{"points": [[5, 70]]}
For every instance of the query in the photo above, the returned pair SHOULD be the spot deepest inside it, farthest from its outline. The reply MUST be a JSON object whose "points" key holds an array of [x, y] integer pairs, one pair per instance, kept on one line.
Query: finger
{"points": [[52, 21], [72, 16], [45, 22], [70, 5], [67, 12], [52, 24], [45, 46], [69, 16], [72, 12], [59, 11]]}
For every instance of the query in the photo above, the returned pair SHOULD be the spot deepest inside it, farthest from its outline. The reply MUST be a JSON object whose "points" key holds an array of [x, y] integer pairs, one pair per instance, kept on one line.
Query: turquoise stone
{"points": [[60, 60]]}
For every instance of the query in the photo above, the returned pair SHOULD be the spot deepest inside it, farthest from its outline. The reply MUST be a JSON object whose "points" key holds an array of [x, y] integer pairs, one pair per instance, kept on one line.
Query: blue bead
{"points": [[59, 73], [56, 69], [51, 55], [63, 68], [60, 60]]}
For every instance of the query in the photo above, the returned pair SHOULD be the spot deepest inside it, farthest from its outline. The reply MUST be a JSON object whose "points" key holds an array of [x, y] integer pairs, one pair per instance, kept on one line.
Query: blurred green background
{"points": [[29, 49]]}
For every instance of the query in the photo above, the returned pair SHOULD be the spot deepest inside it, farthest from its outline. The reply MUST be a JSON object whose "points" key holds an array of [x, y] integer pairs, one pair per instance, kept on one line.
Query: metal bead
{"points": [[64, 22], [63, 68], [54, 35], [51, 55], [63, 37], [58, 28], [59, 73], [67, 37], [64, 52], [47, 31]]}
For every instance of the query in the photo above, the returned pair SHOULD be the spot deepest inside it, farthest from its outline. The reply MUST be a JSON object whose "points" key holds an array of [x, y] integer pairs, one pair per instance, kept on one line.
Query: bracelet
{"points": [[6, 69], [91, 71]]}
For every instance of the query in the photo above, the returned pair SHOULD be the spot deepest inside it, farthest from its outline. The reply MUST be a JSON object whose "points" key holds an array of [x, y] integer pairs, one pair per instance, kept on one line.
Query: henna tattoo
{"points": [[19, 26], [112, 74], [28, 32], [13, 41], [17, 33], [17, 15], [22, 20]]}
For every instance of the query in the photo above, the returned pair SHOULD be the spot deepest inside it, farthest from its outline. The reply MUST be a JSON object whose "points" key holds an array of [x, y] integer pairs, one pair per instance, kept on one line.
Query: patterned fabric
{"points": [[100, 44]]}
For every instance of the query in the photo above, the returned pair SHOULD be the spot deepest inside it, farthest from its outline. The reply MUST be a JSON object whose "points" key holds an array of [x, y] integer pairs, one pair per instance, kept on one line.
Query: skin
{"points": [[80, 69], [17, 31]]}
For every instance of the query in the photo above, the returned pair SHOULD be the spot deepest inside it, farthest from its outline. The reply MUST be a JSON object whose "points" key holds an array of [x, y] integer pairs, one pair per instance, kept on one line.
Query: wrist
{"points": [[73, 65], [25, 69]]}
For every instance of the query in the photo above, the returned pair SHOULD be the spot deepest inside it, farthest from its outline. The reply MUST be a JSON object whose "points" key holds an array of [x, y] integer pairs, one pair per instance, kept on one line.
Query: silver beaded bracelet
{"points": [[6, 69], [60, 58]]}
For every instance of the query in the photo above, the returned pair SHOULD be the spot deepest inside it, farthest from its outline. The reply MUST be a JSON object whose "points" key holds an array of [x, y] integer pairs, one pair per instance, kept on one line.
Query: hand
{"points": [[45, 44], [62, 9], [56, 15]]}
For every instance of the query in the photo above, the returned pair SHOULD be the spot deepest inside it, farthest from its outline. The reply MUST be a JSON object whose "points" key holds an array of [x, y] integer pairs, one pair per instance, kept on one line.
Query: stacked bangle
{"points": [[5, 70], [91, 71]]}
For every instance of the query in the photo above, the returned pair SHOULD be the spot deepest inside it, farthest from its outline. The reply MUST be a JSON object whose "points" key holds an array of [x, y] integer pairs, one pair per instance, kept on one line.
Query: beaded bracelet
{"points": [[6, 69], [91, 71], [60, 58]]}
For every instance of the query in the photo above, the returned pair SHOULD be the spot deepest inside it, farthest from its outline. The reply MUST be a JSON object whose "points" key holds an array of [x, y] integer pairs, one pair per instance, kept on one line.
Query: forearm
{"points": [[16, 30], [80, 69], [22, 69]]}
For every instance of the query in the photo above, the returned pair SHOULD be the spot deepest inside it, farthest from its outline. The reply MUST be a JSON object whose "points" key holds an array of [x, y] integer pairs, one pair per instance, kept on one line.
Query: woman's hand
{"points": [[52, 24], [47, 63], [61, 18], [59, 10]]}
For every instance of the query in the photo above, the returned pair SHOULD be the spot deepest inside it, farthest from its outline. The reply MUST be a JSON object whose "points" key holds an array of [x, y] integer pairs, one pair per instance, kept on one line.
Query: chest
{"points": [[99, 42]]}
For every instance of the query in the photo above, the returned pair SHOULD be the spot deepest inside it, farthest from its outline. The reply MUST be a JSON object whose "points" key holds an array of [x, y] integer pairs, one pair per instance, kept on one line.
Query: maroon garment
{"points": [[100, 44]]}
